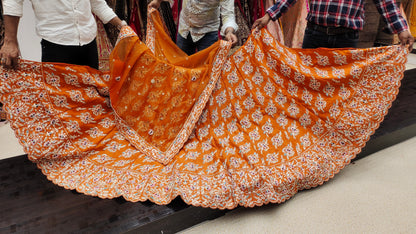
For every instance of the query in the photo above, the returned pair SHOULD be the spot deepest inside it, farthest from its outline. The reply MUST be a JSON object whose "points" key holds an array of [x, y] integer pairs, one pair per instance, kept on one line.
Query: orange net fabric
{"points": [[158, 99], [275, 121]]}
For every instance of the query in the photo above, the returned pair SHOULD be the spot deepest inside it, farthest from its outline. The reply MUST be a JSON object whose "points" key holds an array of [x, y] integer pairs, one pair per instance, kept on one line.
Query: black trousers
{"points": [[79, 55]]}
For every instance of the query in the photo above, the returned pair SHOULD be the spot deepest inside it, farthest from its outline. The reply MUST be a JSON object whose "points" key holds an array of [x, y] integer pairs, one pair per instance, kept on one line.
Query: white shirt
{"points": [[64, 22], [199, 17]]}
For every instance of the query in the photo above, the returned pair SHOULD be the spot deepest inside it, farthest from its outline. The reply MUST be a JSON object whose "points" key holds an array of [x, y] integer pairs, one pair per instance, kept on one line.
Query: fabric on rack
{"points": [[247, 12], [111, 30], [122, 9], [275, 27], [412, 20], [294, 24], [407, 7], [243, 31], [166, 12], [278, 120], [134, 21], [142, 12], [1, 24], [104, 46], [176, 9]]}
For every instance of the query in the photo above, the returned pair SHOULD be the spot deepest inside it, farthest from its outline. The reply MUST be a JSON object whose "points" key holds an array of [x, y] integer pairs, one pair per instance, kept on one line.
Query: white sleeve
{"points": [[101, 9], [227, 15], [13, 7]]}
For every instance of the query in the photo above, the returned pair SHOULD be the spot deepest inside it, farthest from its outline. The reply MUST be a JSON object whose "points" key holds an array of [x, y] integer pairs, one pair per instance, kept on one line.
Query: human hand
{"points": [[406, 39], [231, 37], [260, 23], [155, 4], [10, 54]]}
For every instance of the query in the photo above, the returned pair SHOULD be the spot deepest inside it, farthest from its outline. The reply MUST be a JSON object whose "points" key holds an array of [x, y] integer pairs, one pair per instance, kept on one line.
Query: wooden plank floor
{"points": [[32, 204]]}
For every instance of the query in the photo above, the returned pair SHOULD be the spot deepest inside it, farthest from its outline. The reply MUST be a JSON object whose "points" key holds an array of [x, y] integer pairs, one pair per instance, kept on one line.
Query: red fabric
{"points": [[134, 21]]}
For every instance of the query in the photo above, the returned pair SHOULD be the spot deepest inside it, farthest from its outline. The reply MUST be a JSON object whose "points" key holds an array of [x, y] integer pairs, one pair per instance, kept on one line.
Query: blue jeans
{"points": [[190, 47], [316, 39]]}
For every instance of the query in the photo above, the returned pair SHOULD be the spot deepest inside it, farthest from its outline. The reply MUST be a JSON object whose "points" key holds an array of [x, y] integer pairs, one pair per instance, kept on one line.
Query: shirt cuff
{"points": [[13, 9], [228, 25], [270, 11], [106, 15]]}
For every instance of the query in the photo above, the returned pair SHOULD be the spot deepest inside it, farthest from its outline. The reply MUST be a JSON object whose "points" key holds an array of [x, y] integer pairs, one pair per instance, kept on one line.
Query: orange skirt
{"points": [[220, 131]]}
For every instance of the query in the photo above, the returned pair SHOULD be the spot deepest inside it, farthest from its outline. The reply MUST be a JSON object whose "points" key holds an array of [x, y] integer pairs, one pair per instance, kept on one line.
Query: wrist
{"points": [[10, 40], [229, 31], [122, 24]]}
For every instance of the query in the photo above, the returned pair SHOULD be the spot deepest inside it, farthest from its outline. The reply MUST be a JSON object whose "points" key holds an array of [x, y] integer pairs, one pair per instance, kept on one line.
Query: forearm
{"points": [[392, 16], [11, 24], [117, 22]]}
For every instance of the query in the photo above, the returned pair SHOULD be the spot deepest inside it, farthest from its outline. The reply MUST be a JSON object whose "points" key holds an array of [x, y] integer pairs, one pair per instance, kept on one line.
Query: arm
{"points": [[117, 22], [229, 26], [395, 21], [105, 13], [10, 51], [273, 13]]}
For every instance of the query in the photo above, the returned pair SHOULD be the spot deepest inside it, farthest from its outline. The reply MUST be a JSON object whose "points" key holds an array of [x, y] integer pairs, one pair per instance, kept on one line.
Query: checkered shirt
{"points": [[344, 13]]}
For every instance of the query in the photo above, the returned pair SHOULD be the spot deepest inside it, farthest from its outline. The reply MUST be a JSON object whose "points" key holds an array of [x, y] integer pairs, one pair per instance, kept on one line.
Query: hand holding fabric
{"points": [[10, 52], [230, 36], [260, 23], [406, 39]]}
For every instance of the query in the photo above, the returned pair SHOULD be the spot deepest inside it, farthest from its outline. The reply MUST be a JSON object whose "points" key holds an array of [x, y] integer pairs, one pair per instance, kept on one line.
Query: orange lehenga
{"points": [[220, 131]]}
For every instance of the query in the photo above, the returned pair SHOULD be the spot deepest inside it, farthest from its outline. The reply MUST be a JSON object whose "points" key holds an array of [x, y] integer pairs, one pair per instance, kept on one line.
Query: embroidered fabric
{"points": [[277, 120]]}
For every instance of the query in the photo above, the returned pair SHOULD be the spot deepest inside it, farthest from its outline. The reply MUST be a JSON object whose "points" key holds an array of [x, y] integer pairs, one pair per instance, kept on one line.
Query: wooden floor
{"points": [[32, 204]]}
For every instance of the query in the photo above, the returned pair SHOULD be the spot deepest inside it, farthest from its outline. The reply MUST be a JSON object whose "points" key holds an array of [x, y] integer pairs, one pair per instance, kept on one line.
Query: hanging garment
{"points": [[412, 20], [407, 7], [176, 9], [247, 11], [134, 21], [221, 132], [275, 27], [112, 30], [294, 24], [244, 30], [168, 20], [104, 46]]}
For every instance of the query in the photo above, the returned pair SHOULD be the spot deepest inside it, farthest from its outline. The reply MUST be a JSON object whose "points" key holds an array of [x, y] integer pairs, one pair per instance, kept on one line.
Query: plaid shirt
{"points": [[344, 13]]}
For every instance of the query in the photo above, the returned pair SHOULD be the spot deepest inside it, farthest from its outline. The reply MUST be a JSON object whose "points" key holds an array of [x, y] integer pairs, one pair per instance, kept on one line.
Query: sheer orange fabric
{"points": [[277, 120], [158, 99]]}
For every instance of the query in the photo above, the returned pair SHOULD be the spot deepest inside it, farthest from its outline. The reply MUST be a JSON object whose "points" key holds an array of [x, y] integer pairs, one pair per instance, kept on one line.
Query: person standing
{"points": [[335, 24], [199, 22], [67, 29]]}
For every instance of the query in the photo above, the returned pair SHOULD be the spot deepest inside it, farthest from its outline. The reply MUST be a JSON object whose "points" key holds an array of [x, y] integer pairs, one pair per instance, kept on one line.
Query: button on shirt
{"points": [[344, 13], [199, 17], [64, 22]]}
